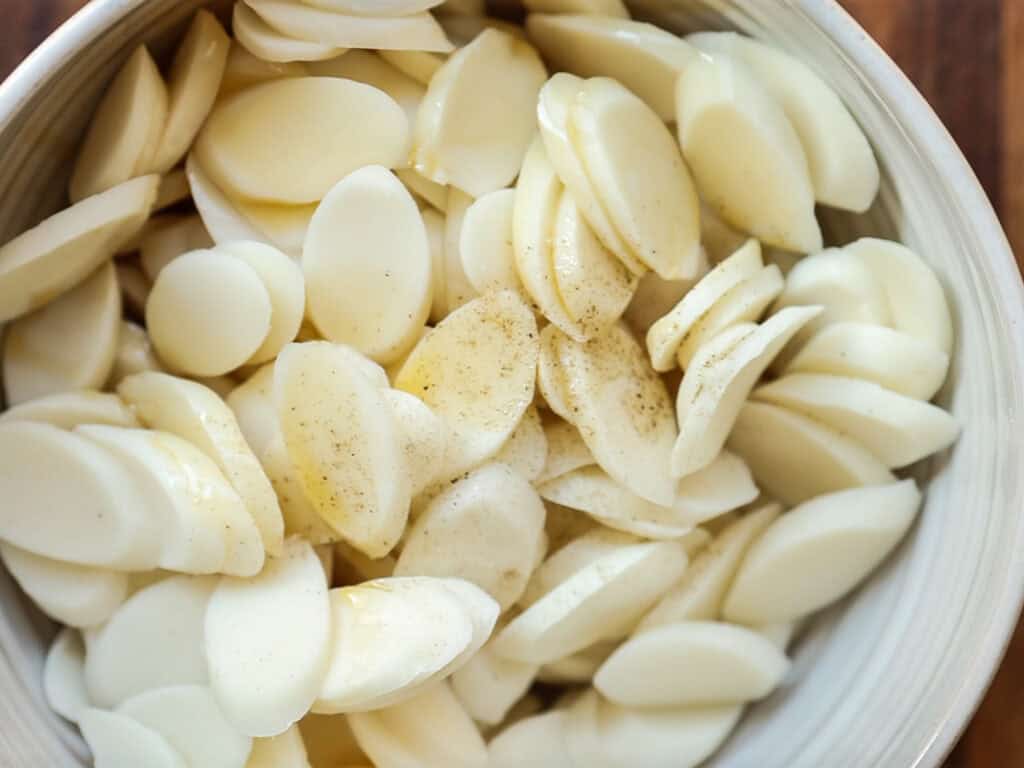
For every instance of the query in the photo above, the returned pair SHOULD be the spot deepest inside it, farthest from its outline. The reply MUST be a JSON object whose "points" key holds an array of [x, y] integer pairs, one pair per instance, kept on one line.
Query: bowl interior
{"points": [[890, 676]]}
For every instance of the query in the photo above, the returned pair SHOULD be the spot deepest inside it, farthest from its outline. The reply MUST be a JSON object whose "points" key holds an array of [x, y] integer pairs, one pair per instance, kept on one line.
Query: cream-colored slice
{"points": [[294, 18], [719, 381], [889, 358], [840, 160], [170, 237], [699, 594], [622, 410], [49, 259], [244, 69], [286, 287], [722, 486], [367, 265], [819, 551], [566, 451], [915, 297], [644, 58], [389, 636], [205, 526], [452, 371], [639, 175], [556, 98], [669, 333], [68, 500], [208, 313], [486, 243], [188, 717], [286, 750], [194, 413], [489, 686], [266, 43], [419, 65], [431, 729], [125, 130], [69, 409], [483, 529], [692, 663], [594, 286], [283, 225], [604, 594], [458, 289], [75, 595], [744, 303], [436, 226], [291, 140], [423, 188], [64, 676], [535, 742], [173, 189], [601, 733], [267, 642], [193, 83], [367, 67], [67, 345], [221, 217], [477, 120], [117, 740], [164, 621], [344, 444], [578, 668], [534, 215], [795, 458], [745, 154], [526, 450], [550, 381], [899, 430], [134, 354], [423, 435]]}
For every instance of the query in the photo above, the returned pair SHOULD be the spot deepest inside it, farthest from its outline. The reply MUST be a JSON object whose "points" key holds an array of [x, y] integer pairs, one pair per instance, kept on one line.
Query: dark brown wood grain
{"points": [[967, 58]]}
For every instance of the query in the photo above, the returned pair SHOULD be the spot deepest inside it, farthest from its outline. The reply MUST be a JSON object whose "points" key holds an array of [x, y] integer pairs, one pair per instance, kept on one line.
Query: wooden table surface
{"points": [[967, 58]]}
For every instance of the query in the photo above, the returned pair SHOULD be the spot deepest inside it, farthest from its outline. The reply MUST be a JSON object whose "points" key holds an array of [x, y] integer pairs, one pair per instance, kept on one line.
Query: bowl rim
{"points": [[915, 116]]}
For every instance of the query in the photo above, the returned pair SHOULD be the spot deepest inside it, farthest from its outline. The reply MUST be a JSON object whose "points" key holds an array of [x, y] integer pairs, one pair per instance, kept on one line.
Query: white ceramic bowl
{"points": [[888, 679]]}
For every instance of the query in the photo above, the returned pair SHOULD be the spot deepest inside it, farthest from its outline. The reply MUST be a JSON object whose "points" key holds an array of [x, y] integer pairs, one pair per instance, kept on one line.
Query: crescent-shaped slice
{"points": [[75, 595], [795, 458], [267, 642], [367, 265], [167, 238], [49, 259], [604, 594], [291, 140], [745, 154], [344, 444], [458, 289], [423, 436], [64, 676], [483, 529], [486, 243], [889, 358], [389, 636], [262, 40], [452, 371], [692, 663], [819, 551], [192, 87], [842, 165], [489, 686], [294, 18], [667, 335], [639, 175], [699, 594], [125, 130], [67, 499], [526, 450], [915, 297], [622, 410], [245, 68], [117, 740], [190, 719], [899, 430], [421, 187], [718, 383], [642, 57], [163, 620], [476, 120], [566, 451], [193, 412], [224, 222]]}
